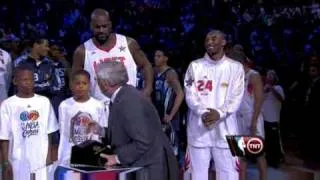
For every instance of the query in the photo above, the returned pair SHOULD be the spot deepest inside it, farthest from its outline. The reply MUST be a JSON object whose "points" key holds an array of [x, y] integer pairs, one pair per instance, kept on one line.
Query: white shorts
{"points": [[226, 165], [244, 124]]}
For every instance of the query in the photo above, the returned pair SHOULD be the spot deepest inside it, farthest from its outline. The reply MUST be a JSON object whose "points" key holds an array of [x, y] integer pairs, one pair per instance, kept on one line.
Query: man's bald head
{"points": [[101, 25], [99, 13]]}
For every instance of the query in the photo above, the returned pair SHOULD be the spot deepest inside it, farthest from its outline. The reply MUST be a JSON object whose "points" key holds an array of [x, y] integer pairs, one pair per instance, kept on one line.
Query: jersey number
{"points": [[204, 85]]}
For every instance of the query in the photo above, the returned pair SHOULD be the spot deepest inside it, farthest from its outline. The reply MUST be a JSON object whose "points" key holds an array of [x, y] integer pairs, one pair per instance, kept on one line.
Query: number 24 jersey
{"points": [[218, 85]]}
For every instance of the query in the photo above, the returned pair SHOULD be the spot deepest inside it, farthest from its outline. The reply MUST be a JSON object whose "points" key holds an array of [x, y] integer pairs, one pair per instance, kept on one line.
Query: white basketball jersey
{"points": [[248, 96], [94, 56]]}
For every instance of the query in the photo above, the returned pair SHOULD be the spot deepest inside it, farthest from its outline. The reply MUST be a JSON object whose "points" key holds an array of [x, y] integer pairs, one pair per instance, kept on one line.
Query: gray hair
{"points": [[114, 72]]}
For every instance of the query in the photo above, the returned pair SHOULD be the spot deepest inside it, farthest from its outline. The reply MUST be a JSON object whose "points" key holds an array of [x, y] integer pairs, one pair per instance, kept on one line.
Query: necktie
{"points": [[110, 105], [109, 128]]}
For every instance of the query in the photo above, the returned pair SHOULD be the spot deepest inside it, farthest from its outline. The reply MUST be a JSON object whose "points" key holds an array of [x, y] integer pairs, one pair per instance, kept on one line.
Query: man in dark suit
{"points": [[134, 127]]}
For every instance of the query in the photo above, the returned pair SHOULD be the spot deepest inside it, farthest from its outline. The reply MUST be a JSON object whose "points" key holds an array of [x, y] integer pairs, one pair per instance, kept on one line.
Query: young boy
{"points": [[81, 117], [26, 122]]}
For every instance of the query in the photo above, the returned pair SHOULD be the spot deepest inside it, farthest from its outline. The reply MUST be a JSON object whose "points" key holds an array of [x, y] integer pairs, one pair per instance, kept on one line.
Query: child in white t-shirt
{"points": [[81, 117], [26, 122]]}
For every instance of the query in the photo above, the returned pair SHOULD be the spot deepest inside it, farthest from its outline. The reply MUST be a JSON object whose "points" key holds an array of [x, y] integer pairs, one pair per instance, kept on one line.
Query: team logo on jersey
{"points": [[122, 49], [29, 124], [189, 82], [84, 128]]}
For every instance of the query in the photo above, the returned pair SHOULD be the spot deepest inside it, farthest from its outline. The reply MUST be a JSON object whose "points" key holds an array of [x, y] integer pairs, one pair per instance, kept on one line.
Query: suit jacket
{"points": [[137, 137]]}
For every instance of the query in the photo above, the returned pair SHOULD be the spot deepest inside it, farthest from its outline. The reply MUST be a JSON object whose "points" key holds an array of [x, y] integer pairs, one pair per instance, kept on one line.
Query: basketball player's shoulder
{"points": [[131, 41], [197, 63], [80, 50]]}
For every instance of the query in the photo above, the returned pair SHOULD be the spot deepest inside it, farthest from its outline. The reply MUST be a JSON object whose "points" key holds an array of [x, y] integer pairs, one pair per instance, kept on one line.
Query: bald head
{"points": [[99, 13], [101, 25]]}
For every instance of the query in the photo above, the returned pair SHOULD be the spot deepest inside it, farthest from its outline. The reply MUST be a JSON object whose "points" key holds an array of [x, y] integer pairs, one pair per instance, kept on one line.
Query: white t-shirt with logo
{"points": [[271, 107], [26, 123], [79, 122]]}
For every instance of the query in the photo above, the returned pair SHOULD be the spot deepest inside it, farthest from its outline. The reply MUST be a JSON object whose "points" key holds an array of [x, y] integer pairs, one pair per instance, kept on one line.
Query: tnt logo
{"points": [[254, 145]]}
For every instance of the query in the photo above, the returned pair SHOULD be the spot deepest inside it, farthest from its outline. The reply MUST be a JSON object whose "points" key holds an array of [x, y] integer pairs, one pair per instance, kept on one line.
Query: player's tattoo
{"points": [[137, 53]]}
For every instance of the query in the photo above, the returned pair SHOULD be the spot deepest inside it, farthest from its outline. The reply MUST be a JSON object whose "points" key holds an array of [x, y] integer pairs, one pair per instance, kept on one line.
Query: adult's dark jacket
{"points": [[135, 133]]}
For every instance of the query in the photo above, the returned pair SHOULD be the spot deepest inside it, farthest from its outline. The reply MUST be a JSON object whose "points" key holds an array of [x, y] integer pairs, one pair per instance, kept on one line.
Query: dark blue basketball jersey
{"points": [[164, 96], [43, 73], [59, 84]]}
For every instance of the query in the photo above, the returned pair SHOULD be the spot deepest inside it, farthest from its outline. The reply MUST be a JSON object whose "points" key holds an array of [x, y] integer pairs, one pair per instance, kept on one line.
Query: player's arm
{"points": [[6, 166], [52, 127], [234, 94], [142, 62], [191, 94], [173, 81], [5, 127], [78, 58], [50, 157], [258, 97]]}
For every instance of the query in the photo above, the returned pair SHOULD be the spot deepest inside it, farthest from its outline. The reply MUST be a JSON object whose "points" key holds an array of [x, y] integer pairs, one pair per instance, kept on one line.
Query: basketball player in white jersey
{"points": [[249, 114], [214, 87], [108, 46]]}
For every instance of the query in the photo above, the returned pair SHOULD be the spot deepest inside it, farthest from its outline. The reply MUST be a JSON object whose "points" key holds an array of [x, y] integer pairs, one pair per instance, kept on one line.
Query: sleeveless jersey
{"points": [[248, 96], [164, 94], [94, 56]]}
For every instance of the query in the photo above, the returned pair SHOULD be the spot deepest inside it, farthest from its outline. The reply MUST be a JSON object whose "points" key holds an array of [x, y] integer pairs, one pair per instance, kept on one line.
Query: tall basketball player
{"points": [[214, 86], [107, 46]]}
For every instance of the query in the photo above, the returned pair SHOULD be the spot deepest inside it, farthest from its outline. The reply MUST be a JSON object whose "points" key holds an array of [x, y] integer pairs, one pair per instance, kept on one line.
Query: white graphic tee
{"points": [[26, 123], [78, 123]]}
